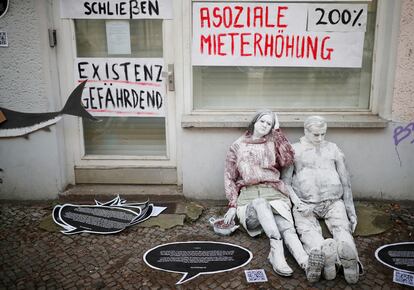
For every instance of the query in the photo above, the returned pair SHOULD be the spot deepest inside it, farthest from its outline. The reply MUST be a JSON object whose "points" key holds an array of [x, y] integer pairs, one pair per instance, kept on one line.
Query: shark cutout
{"points": [[19, 123]]}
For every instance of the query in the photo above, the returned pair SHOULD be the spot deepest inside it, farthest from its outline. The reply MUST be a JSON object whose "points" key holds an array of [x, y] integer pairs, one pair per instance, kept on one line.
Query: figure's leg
{"points": [[292, 241], [309, 230], [338, 224], [260, 210], [310, 234]]}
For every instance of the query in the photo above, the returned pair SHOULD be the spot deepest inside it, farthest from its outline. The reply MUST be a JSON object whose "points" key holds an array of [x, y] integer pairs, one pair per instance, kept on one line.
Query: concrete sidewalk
{"points": [[32, 258]]}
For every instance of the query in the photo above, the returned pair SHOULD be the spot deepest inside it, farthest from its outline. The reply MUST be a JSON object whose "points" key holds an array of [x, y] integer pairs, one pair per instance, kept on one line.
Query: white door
{"points": [[118, 149]]}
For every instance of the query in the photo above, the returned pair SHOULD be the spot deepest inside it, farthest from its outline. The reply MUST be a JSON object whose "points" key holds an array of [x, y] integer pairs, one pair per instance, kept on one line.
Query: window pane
{"points": [[125, 136], [286, 88], [133, 136], [146, 38]]}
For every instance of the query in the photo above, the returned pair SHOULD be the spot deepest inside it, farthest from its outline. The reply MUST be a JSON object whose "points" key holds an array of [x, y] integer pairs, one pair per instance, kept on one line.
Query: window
{"points": [[221, 88], [126, 136]]}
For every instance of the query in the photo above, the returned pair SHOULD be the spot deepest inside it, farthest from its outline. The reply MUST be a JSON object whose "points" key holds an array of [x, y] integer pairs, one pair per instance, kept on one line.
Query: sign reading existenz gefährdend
{"points": [[122, 87], [116, 9], [278, 34]]}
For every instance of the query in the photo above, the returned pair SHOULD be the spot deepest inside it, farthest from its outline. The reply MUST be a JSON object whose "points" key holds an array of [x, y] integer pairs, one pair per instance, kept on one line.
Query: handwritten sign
{"points": [[278, 34], [122, 87], [116, 9]]}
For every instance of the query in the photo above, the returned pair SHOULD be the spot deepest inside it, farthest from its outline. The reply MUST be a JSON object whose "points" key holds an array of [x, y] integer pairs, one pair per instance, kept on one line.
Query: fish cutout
{"points": [[102, 218], [20, 124]]}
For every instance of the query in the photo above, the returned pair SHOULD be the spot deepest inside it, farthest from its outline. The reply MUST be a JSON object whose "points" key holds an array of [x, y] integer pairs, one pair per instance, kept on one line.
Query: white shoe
{"points": [[316, 262], [277, 258], [349, 262], [330, 250]]}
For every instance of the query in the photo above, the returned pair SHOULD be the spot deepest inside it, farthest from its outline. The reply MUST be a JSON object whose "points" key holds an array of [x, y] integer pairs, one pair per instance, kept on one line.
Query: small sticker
{"points": [[404, 278], [254, 276], [3, 39]]}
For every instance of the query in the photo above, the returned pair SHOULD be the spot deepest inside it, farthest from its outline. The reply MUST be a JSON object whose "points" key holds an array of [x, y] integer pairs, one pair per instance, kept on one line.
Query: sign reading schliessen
{"points": [[116, 9], [278, 34]]}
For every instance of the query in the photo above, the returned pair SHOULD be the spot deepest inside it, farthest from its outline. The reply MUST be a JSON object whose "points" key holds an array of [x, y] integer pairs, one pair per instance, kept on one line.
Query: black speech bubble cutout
{"points": [[193, 258], [93, 218], [398, 256]]}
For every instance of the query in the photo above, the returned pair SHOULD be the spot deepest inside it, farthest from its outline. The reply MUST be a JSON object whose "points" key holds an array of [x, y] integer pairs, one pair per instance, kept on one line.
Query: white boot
{"points": [[330, 250], [277, 258]]}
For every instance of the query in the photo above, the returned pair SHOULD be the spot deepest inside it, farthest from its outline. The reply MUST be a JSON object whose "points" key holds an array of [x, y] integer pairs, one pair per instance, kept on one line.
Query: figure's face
{"points": [[263, 126], [315, 135]]}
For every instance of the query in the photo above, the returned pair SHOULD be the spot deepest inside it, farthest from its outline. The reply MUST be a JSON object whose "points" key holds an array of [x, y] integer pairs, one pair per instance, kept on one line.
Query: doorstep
{"points": [[105, 192]]}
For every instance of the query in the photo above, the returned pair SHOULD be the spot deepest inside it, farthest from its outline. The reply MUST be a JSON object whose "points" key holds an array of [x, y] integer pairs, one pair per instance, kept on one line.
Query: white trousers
{"points": [[336, 219]]}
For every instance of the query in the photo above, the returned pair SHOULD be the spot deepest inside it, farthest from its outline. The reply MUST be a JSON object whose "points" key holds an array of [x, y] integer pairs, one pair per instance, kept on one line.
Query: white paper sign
{"points": [[4, 42], [337, 17], [116, 9], [403, 278], [122, 87], [118, 37], [269, 34]]}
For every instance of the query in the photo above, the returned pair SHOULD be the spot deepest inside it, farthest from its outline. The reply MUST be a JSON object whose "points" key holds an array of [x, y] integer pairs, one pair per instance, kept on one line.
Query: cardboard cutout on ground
{"points": [[19, 123], [194, 258], [399, 256], [102, 218]]}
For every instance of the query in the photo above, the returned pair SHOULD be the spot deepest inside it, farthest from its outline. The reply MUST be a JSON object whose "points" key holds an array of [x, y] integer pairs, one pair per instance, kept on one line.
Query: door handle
{"points": [[171, 78]]}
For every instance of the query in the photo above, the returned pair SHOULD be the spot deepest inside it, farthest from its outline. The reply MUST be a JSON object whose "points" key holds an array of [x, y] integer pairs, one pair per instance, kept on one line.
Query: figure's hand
{"points": [[276, 126], [304, 209], [353, 220], [230, 215]]}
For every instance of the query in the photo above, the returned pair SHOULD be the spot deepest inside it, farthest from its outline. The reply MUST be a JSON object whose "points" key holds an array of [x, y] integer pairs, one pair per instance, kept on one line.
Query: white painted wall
{"points": [[371, 157], [30, 168]]}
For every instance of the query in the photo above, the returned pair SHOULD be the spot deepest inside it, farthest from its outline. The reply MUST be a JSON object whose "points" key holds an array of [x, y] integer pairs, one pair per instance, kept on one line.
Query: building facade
{"points": [[178, 95]]}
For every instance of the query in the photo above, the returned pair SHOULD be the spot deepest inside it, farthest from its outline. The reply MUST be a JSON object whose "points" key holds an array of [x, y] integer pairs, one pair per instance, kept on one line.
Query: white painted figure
{"points": [[322, 190], [259, 198]]}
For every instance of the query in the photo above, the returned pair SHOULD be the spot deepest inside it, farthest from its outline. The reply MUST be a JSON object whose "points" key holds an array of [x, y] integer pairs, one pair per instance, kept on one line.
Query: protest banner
{"points": [[278, 34], [122, 87]]}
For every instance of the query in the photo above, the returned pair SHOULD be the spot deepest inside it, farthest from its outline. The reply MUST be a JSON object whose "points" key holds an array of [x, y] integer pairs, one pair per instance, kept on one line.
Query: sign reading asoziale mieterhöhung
{"points": [[193, 258], [278, 34], [399, 256]]}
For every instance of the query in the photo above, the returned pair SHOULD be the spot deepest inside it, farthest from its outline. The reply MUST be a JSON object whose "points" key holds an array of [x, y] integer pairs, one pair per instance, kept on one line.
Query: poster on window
{"points": [[278, 34], [116, 9], [122, 87]]}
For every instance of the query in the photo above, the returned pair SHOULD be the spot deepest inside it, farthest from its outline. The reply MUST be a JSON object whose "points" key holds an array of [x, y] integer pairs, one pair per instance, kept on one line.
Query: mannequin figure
{"points": [[260, 199], [321, 182]]}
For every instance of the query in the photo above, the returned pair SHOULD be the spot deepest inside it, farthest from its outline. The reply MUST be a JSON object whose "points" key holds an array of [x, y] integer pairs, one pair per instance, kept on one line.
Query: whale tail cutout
{"points": [[74, 105]]}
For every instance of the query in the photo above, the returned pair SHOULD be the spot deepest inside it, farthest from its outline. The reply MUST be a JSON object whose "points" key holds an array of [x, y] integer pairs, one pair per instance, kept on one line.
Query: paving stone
{"points": [[33, 258]]}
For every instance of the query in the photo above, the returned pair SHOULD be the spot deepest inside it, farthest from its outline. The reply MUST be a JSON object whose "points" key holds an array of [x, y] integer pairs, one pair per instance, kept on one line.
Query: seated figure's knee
{"points": [[288, 231], [260, 203]]}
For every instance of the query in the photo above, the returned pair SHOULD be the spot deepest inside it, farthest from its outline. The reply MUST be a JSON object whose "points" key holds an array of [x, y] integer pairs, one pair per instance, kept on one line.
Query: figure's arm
{"points": [[346, 185], [287, 176], [231, 175]]}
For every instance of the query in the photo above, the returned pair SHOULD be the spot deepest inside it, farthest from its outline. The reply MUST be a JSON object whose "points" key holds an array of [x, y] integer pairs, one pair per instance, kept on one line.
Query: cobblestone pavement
{"points": [[32, 258]]}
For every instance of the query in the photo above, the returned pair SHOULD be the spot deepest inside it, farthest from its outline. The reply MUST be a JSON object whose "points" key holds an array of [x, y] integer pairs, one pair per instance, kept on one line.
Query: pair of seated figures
{"points": [[265, 175]]}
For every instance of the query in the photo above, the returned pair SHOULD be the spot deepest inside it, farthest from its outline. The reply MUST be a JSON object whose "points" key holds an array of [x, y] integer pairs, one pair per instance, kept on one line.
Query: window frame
{"points": [[380, 101]]}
